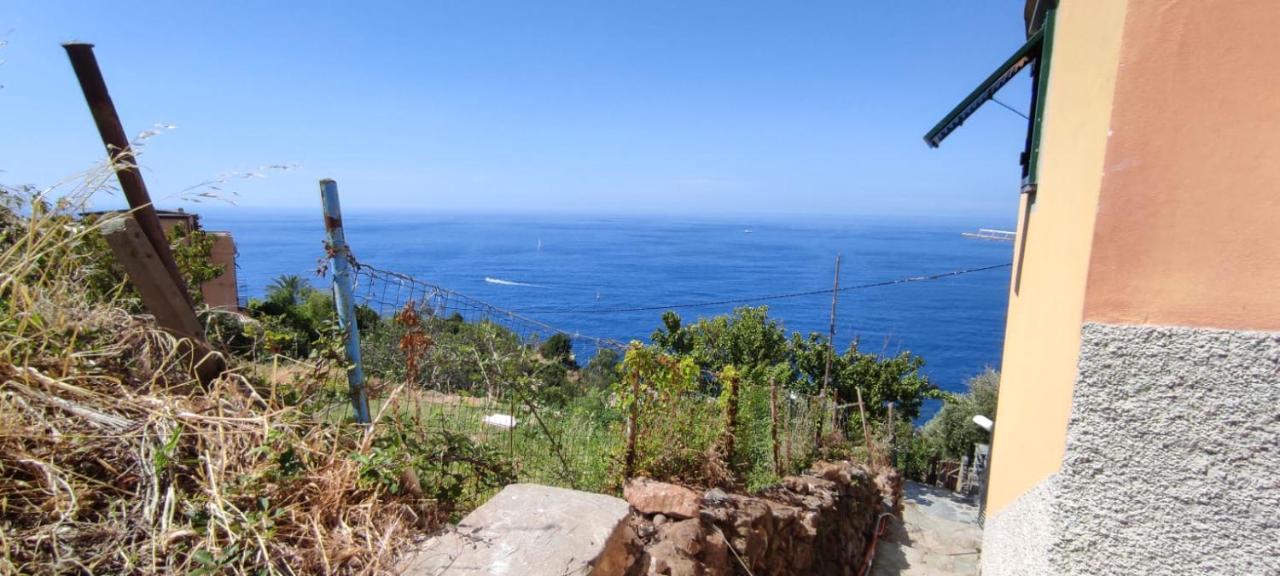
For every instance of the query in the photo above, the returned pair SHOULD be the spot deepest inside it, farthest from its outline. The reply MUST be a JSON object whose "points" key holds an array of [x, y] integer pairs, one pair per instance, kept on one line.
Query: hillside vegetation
{"points": [[114, 458]]}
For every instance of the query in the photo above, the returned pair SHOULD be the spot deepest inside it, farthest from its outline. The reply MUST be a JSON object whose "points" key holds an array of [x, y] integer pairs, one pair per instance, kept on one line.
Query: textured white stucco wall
{"points": [[1017, 540], [1173, 454], [1172, 463]]}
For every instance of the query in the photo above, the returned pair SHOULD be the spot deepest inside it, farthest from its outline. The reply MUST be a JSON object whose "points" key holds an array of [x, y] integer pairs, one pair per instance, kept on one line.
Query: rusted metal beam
{"points": [[113, 135]]}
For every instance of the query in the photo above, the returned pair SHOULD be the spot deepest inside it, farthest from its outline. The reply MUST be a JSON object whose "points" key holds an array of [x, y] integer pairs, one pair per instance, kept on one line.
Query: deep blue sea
{"points": [[545, 264]]}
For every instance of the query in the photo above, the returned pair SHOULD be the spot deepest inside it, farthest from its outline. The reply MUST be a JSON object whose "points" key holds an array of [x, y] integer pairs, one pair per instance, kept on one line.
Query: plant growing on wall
{"points": [[669, 428], [193, 252]]}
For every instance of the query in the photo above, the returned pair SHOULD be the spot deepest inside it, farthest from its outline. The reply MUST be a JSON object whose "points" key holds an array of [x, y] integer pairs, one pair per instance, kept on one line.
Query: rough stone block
{"points": [[652, 497], [532, 530]]}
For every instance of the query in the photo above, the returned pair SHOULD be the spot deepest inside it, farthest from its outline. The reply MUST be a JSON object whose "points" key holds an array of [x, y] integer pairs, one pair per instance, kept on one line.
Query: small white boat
{"points": [[991, 234]]}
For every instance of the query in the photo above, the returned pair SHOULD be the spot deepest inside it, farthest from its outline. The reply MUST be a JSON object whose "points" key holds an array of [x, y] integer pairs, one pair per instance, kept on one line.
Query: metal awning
{"points": [[1020, 59]]}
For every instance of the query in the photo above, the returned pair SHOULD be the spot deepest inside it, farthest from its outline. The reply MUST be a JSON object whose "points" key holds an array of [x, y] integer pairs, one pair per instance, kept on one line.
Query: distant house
{"points": [[1138, 428], [221, 292]]}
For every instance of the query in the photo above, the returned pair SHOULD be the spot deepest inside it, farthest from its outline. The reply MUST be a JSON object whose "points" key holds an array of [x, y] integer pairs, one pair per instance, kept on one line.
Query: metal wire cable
{"points": [[442, 300], [764, 298], [1010, 108]]}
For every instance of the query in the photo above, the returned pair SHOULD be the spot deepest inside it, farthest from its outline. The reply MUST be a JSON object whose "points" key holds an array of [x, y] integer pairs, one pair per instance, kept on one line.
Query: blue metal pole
{"points": [[343, 298]]}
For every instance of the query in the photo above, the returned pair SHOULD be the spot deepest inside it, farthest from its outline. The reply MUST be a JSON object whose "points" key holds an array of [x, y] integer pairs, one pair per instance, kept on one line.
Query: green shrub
{"points": [[951, 433], [291, 318], [674, 427], [559, 348], [602, 371]]}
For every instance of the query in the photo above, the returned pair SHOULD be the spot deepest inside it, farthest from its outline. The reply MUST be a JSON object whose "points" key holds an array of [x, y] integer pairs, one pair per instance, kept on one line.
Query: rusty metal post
{"points": [[343, 295], [121, 155]]}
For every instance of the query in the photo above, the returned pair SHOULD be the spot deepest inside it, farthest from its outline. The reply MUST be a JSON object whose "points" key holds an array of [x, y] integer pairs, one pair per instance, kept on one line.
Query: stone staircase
{"points": [[938, 535]]}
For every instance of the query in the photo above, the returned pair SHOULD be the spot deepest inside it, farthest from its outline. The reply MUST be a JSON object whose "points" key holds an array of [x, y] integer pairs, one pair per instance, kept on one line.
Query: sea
{"points": [[587, 274]]}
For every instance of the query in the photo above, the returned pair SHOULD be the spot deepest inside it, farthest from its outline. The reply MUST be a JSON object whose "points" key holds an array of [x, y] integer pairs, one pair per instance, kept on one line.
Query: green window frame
{"points": [[1037, 52]]}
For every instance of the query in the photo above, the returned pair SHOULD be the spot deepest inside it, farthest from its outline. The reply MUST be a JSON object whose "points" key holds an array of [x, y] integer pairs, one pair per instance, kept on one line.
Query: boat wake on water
{"points": [[501, 282]]}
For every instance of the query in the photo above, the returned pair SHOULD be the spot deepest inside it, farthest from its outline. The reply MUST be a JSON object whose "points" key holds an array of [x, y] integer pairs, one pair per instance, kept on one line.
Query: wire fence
{"points": [[513, 385], [485, 372], [387, 292]]}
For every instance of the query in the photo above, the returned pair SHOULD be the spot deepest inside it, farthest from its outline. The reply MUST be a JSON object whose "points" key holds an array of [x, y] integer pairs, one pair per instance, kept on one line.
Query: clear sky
{"points": [[681, 107]]}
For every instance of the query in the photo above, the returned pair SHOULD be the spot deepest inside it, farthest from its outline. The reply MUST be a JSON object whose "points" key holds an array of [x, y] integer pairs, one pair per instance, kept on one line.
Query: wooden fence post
{"points": [[731, 417], [893, 429], [866, 432], [789, 434], [633, 423], [162, 298], [137, 239], [343, 295], [773, 418]]}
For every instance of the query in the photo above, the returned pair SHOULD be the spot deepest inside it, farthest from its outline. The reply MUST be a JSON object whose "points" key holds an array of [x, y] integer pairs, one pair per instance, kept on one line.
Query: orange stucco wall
{"points": [[1046, 298], [222, 292], [1188, 226]]}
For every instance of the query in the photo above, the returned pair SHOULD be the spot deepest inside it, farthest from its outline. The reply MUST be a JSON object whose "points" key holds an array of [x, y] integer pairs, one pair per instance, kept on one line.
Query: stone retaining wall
{"points": [[816, 523]]}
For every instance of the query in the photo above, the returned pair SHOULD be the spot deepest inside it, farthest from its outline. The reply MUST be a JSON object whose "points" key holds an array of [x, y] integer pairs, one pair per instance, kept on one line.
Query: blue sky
{"points": [[573, 107]]}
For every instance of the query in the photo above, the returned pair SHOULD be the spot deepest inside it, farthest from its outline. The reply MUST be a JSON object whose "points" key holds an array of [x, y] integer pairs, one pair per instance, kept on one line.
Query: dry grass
{"points": [[114, 460]]}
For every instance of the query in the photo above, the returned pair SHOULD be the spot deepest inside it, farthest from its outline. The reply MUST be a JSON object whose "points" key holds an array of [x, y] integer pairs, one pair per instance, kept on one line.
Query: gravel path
{"points": [[938, 535]]}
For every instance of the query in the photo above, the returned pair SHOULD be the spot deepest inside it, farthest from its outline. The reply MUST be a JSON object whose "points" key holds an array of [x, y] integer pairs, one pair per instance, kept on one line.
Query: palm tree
{"points": [[288, 289]]}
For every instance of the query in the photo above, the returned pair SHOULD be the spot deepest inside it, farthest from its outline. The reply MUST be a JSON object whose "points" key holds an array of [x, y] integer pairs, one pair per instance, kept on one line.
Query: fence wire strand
{"points": [[465, 383], [441, 302]]}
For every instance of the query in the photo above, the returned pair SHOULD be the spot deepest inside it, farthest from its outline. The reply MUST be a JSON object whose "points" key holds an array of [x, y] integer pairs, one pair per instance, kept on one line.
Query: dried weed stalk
{"points": [[113, 460]]}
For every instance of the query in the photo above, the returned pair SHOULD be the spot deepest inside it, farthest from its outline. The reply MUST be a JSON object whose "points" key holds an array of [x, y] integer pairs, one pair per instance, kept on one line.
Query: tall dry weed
{"points": [[114, 460]]}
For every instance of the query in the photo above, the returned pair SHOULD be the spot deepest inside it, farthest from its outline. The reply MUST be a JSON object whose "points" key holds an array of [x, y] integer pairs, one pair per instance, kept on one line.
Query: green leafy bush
{"points": [[559, 348], [671, 429], [951, 433], [289, 321]]}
